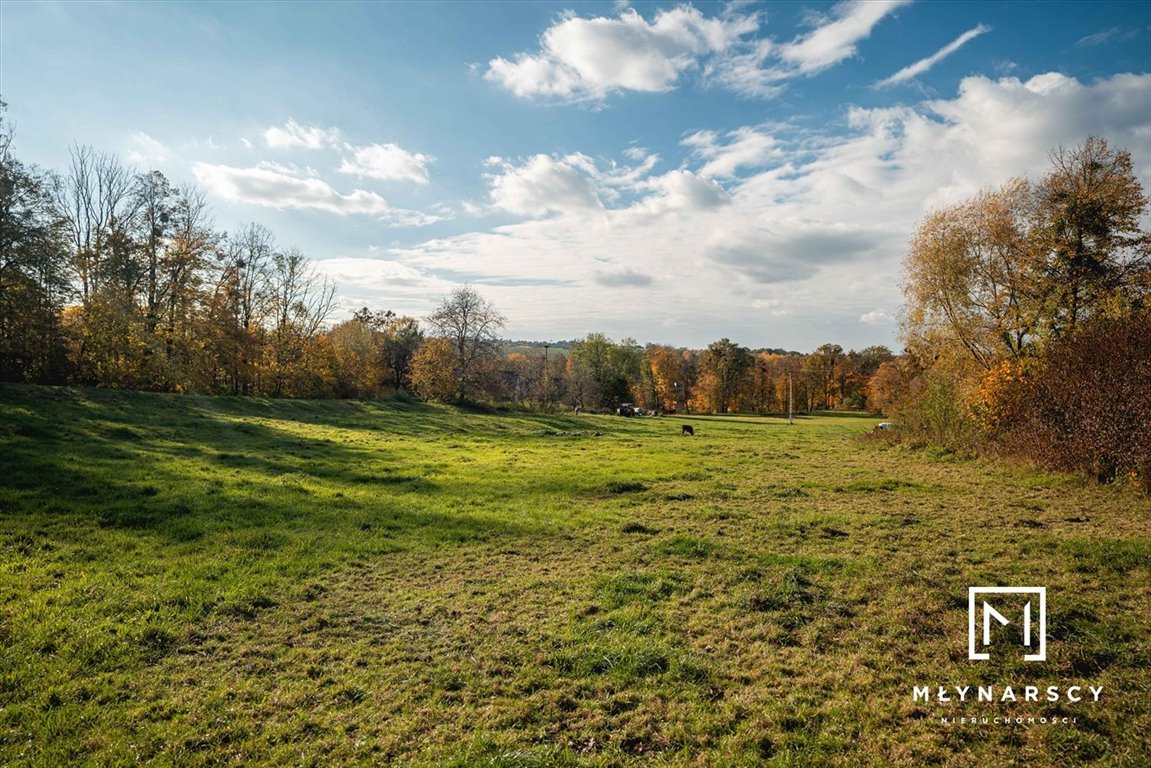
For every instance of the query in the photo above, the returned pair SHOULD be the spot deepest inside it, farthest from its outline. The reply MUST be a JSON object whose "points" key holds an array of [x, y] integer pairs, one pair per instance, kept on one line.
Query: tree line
{"points": [[118, 278], [597, 373]]}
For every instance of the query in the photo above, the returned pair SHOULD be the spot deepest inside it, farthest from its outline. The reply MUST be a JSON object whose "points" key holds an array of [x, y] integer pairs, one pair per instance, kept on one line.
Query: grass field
{"points": [[201, 581]]}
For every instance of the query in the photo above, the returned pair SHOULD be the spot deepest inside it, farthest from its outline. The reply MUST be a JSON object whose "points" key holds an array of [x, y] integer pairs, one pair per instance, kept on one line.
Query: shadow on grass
{"points": [[181, 466]]}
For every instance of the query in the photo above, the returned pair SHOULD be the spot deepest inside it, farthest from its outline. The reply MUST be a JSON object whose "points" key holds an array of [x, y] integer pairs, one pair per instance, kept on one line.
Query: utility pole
{"points": [[790, 417]]}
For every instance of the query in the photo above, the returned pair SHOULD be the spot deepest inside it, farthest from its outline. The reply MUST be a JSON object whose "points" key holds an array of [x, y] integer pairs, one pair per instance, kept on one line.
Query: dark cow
{"points": [[686, 429]]}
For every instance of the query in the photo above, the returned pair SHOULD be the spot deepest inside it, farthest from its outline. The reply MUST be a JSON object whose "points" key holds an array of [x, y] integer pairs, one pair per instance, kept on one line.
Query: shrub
{"points": [[1086, 405], [938, 416]]}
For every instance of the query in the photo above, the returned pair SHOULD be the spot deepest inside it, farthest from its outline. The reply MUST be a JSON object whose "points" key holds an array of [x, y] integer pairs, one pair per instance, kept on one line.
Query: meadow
{"points": [[200, 581]]}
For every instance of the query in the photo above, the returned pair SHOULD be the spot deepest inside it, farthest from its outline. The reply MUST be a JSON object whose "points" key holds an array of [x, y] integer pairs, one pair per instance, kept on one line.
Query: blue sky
{"points": [[670, 172]]}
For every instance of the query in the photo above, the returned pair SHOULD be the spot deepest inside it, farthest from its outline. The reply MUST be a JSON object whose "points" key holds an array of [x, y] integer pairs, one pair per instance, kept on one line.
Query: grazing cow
{"points": [[686, 429]]}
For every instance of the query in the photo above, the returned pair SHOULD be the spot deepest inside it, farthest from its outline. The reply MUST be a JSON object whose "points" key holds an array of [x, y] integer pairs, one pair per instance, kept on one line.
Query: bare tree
{"points": [[156, 201], [470, 322], [302, 299], [242, 302], [95, 195], [183, 265]]}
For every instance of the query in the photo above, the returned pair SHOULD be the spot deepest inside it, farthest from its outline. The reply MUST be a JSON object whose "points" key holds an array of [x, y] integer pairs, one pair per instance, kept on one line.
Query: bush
{"points": [[938, 416], [1086, 405]]}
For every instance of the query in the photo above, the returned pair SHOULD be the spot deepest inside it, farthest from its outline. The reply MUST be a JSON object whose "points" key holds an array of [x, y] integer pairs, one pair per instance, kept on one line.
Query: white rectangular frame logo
{"points": [[971, 621]]}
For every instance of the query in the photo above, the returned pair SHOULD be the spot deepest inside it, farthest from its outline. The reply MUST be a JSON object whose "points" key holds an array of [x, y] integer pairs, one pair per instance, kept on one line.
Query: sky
{"points": [[674, 173]]}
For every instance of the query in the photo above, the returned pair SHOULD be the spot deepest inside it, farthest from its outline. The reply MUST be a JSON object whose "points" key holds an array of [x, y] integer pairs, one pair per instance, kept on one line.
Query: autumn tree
{"points": [[762, 394], [471, 324], [725, 369], [402, 337], [300, 301], [33, 271], [357, 365], [603, 373], [1085, 405], [1003, 284], [434, 369], [665, 375], [590, 372], [975, 281], [183, 268], [892, 384], [856, 370], [240, 305], [519, 378], [1090, 209], [994, 276]]}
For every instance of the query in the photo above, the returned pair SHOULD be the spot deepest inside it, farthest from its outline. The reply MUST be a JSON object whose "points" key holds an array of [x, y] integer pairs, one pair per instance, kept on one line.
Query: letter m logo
{"points": [[981, 613]]}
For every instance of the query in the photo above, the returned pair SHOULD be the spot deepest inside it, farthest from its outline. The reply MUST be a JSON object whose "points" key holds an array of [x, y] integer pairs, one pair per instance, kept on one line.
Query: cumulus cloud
{"points": [[388, 162], [293, 135], [273, 188], [575, 184], [825, 232], [590, 58], [923, 65], [586, 59], [544, 185], [681, 191]]}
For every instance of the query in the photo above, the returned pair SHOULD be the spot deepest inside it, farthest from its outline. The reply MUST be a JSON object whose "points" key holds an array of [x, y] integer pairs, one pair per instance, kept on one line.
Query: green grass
{"points": [[205, 581]]}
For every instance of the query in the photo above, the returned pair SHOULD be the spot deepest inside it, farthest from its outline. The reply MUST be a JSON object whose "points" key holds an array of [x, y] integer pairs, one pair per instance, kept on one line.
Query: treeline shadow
{"points": [[177, 466]]}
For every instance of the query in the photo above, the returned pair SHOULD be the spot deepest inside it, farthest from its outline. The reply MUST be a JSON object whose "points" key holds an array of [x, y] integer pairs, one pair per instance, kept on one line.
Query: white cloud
{"points": [[875, 317], [835, 39], [681, 191], [761, 68], [822, 229], [389, 162], [146, 150], [773, 307], [290, 169], [586, 59], [544, 185], [589, 58], [292, 135], [743, 148], [923, 65], [273, 188], [744, 71], [575, 185], [1108, 35]]}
